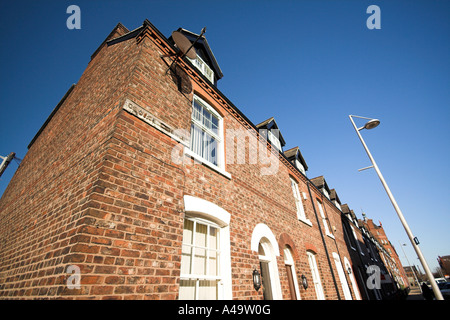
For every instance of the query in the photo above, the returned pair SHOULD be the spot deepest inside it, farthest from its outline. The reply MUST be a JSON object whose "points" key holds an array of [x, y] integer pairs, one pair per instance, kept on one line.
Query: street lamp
{"points": [[411, 266], [372, 123]]}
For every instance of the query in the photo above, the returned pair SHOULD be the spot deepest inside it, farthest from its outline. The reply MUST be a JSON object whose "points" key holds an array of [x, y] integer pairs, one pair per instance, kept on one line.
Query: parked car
{"points": [[440, 280], [445, 290], [442, 284]]}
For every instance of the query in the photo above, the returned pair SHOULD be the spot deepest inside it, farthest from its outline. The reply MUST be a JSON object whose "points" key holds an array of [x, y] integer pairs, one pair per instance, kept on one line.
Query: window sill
{"points": [[330, 235], [305, 221], [196, 157]]}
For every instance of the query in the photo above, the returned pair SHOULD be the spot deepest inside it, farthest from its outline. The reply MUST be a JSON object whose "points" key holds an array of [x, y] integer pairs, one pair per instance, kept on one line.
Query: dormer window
{"points": [[300, 167], [203, 68], [337, 205], [269, 130], [325, 193], [321, 184], [335, 199], [295, 157], [273, 139], [205, 62]]}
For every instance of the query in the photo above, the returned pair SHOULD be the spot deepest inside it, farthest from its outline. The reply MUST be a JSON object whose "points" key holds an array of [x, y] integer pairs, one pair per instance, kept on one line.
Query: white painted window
{"points": [[298, 202], [203, 67], [325, 193], [300, 166], [205, 261], [273, 138], [342, 278], [356, 240], [324, 220], [351, 238], [206, 132], [200, 271], [315, 275], [337, 205], [207, 138]]}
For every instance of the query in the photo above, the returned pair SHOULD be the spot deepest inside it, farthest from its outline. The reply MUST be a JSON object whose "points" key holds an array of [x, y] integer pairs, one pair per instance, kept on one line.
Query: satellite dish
{"points": [[184, 45]]}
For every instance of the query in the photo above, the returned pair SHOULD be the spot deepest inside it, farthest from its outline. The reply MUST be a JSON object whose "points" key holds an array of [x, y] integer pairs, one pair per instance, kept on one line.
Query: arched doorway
{"points": [[342, 278], [291, 274], [264, 242], [351, 275]]}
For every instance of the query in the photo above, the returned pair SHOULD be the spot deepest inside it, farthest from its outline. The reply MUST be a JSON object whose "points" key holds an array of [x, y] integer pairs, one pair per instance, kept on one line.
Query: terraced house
{"points": [[153, 185]]}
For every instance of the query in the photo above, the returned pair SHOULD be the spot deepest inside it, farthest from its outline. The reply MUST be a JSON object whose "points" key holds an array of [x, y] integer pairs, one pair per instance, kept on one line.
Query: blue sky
{"points": [[307, 63]]}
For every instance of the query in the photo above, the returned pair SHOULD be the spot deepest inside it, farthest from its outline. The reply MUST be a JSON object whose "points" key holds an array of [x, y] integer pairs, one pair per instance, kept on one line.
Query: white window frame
{"points": [[315, 275], [206, 276], [349, 237], [324, 220], [209, 213], [356, 240], [219, 138], [203, 67], [300, 166], [274, 140], [301, 215], [337, 205], [325, 193], [342, 278], [289, 261]]}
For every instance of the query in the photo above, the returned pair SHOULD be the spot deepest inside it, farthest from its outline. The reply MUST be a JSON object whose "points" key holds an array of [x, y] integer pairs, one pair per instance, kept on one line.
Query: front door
{"points": [[265, 274]]}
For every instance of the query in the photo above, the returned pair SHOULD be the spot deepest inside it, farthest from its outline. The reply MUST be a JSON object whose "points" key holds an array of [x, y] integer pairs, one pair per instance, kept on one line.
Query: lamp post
{"points": [[411, 266], [372, 123]]}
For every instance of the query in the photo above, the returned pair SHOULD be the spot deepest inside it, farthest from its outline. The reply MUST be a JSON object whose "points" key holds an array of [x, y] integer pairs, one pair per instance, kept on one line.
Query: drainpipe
{"points": [[323, 240], [346, 275]]}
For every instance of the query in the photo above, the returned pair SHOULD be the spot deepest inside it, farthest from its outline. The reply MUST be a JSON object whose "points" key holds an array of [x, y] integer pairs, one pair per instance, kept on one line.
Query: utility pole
{"points": [[411, 266], [372, 123], [6, 161]]}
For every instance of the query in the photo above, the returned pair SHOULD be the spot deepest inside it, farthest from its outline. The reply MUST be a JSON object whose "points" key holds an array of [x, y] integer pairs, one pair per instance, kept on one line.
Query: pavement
{"points": [[415, 296]]}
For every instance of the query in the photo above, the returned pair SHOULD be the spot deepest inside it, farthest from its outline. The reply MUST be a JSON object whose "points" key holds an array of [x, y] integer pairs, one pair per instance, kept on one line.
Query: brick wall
{"points": [[48, 199]]}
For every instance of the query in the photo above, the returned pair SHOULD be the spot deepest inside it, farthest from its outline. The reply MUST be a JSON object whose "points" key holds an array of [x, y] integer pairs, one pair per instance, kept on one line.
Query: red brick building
{"points": [[444, 264], [146, 182], [391, 258]]}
